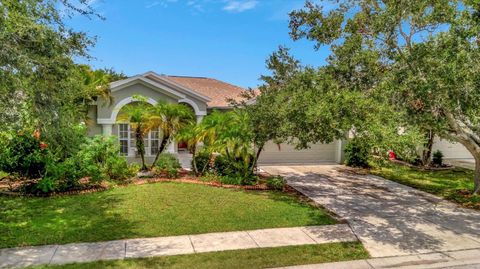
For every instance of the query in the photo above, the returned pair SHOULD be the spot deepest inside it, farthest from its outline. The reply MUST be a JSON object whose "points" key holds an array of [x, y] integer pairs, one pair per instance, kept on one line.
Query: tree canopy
{"points": [[41, 86], [411, 64]]}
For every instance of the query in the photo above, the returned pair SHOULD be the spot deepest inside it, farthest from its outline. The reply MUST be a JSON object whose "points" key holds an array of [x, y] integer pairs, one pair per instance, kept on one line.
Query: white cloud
{"points": [[232, 6], [162, 3], [240, 6]]}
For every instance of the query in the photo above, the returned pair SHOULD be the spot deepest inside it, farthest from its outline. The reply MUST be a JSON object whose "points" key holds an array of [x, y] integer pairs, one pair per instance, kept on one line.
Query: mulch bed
{"points": [[184, 177], [425, 168]]}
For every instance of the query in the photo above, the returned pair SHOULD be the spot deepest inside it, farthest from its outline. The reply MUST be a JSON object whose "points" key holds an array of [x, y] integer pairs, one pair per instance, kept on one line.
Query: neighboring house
{"points": [[202, 95]]}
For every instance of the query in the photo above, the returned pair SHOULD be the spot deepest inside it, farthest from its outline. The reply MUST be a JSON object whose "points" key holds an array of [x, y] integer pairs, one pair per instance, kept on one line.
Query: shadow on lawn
{"points": [[387, 212], [59, 220]]}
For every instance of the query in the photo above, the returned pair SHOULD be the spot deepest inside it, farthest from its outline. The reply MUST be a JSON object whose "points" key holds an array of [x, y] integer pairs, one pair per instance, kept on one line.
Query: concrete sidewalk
{"points": [[465, 259], [174, 245]]}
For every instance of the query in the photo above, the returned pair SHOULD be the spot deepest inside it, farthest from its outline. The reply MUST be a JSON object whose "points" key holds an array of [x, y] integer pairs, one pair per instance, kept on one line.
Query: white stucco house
{"points": [[203, 95]]}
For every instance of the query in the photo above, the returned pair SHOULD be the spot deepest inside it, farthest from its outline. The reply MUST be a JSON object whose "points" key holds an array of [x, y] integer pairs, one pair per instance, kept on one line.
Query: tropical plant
{"points": [[190, 135], [170, 118], [139, 116], [228, 135], [24, 155]]}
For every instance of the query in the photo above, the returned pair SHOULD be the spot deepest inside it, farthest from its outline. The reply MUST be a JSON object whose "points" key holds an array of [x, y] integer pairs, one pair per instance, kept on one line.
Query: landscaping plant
{"points": [[170, 119], [437, 159], [357, 153], [169, 164]]}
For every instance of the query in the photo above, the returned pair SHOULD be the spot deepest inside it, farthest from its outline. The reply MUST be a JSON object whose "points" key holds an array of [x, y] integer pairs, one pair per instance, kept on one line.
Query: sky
{"points": [[224, 39]]}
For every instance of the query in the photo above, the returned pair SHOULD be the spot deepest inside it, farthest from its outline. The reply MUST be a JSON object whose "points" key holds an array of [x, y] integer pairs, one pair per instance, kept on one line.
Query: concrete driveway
{"points": [[390, 219]]}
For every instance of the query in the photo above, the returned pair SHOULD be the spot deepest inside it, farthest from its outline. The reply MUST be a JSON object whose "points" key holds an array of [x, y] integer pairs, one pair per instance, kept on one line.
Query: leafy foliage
{"points": [[419, 58], [357, 152], [276, 183], [24, 156], [437, 158], [170, 118], [169, 164]]}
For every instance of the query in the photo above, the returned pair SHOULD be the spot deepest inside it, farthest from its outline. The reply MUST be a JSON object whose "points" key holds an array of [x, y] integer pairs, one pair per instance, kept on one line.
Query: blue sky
{"points": [[224, 39]]}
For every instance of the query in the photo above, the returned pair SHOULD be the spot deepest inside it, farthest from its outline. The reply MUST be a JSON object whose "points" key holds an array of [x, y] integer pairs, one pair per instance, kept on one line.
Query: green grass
{"points": [[150, 210], [239, 259], [455, 185]]}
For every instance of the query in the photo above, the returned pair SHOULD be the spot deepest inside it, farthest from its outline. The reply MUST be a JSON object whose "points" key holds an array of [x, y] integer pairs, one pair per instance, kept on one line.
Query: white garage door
{"points": [[451, 150], [287, 154]]}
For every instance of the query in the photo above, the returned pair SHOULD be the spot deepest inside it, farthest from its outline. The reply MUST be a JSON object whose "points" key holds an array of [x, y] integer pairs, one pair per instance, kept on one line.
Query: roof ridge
{"points": [[177, 76]]}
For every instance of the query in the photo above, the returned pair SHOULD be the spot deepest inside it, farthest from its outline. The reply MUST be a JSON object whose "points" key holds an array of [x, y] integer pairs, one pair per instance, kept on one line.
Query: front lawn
{"points": [[150, 210], [454, 185], [239, 259]]}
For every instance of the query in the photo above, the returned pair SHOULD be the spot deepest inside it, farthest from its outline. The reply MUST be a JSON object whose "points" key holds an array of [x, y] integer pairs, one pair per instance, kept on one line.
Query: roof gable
{"points": [[121, 84]]}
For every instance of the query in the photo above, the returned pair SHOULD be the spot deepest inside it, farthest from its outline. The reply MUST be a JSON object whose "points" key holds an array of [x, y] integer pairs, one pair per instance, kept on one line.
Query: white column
{"points": [[199, 118], [107, 129], [172, 147], [339, 153]]}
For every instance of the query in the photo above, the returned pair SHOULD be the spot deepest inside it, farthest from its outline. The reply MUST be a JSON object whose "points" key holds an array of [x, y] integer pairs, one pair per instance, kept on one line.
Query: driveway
{"points": [[389, 218]]}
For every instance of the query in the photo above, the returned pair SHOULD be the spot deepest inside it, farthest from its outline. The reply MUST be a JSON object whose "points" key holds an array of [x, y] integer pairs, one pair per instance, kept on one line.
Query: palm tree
{"points": [[138, 115], [170, 118], [228, 133], [191, 136]]}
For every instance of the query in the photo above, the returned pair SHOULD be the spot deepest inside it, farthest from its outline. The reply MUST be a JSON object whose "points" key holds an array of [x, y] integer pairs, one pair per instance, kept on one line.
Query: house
{"points": [[202, 95]]}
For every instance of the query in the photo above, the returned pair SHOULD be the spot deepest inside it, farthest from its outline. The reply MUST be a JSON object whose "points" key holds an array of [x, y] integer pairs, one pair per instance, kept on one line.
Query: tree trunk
{"points": [[476, 187], [194, 162], [254, 165], [161, 148], [427, 148], [140, 146], [466, 136]]}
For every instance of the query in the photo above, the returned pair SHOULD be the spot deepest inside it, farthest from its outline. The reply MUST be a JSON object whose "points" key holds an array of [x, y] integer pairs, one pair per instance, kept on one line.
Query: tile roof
{"points": [[217, 90]]}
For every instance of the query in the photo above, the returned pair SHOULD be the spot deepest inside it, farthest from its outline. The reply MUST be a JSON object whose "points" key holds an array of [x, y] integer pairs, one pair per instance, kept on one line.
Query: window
{"points": [[123, 136], [154, 141]]}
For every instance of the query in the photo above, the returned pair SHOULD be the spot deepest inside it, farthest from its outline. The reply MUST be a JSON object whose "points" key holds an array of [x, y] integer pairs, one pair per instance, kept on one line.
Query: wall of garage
{"points": [[287, 154], [451, 150]]}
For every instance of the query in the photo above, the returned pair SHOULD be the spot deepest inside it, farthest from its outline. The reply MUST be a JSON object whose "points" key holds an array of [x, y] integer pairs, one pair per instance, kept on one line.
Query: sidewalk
{"points": [[465, 259], [174, 245]]}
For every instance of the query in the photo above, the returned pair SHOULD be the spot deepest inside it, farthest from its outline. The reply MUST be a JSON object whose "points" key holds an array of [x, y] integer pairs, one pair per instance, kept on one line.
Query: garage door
{"points": [[287, 154], [451, 150]]}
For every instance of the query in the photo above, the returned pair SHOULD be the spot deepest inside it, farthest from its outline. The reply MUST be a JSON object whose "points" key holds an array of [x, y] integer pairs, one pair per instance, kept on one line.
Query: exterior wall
{"points": [[93, 128], [105, 111], [287, 154], [451, 150]]}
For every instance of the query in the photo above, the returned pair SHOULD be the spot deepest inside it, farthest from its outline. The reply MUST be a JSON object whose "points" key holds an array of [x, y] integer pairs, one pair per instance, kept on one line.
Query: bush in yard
{"points": [[437, 159], [276, 183], [97, 160], [168, 161], [103, 153], [24, 155], [168, 164], [235, 170], [203, 161], [357, 153]]}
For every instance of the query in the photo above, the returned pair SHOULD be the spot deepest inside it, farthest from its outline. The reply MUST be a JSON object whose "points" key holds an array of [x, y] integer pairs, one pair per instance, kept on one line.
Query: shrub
{"points": [[357, 153], [168, 164], [100, 156], [231, 180], [172, 172], [168, 161], [203, 161], [437, 158], [24, 155], [276, 183]]}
